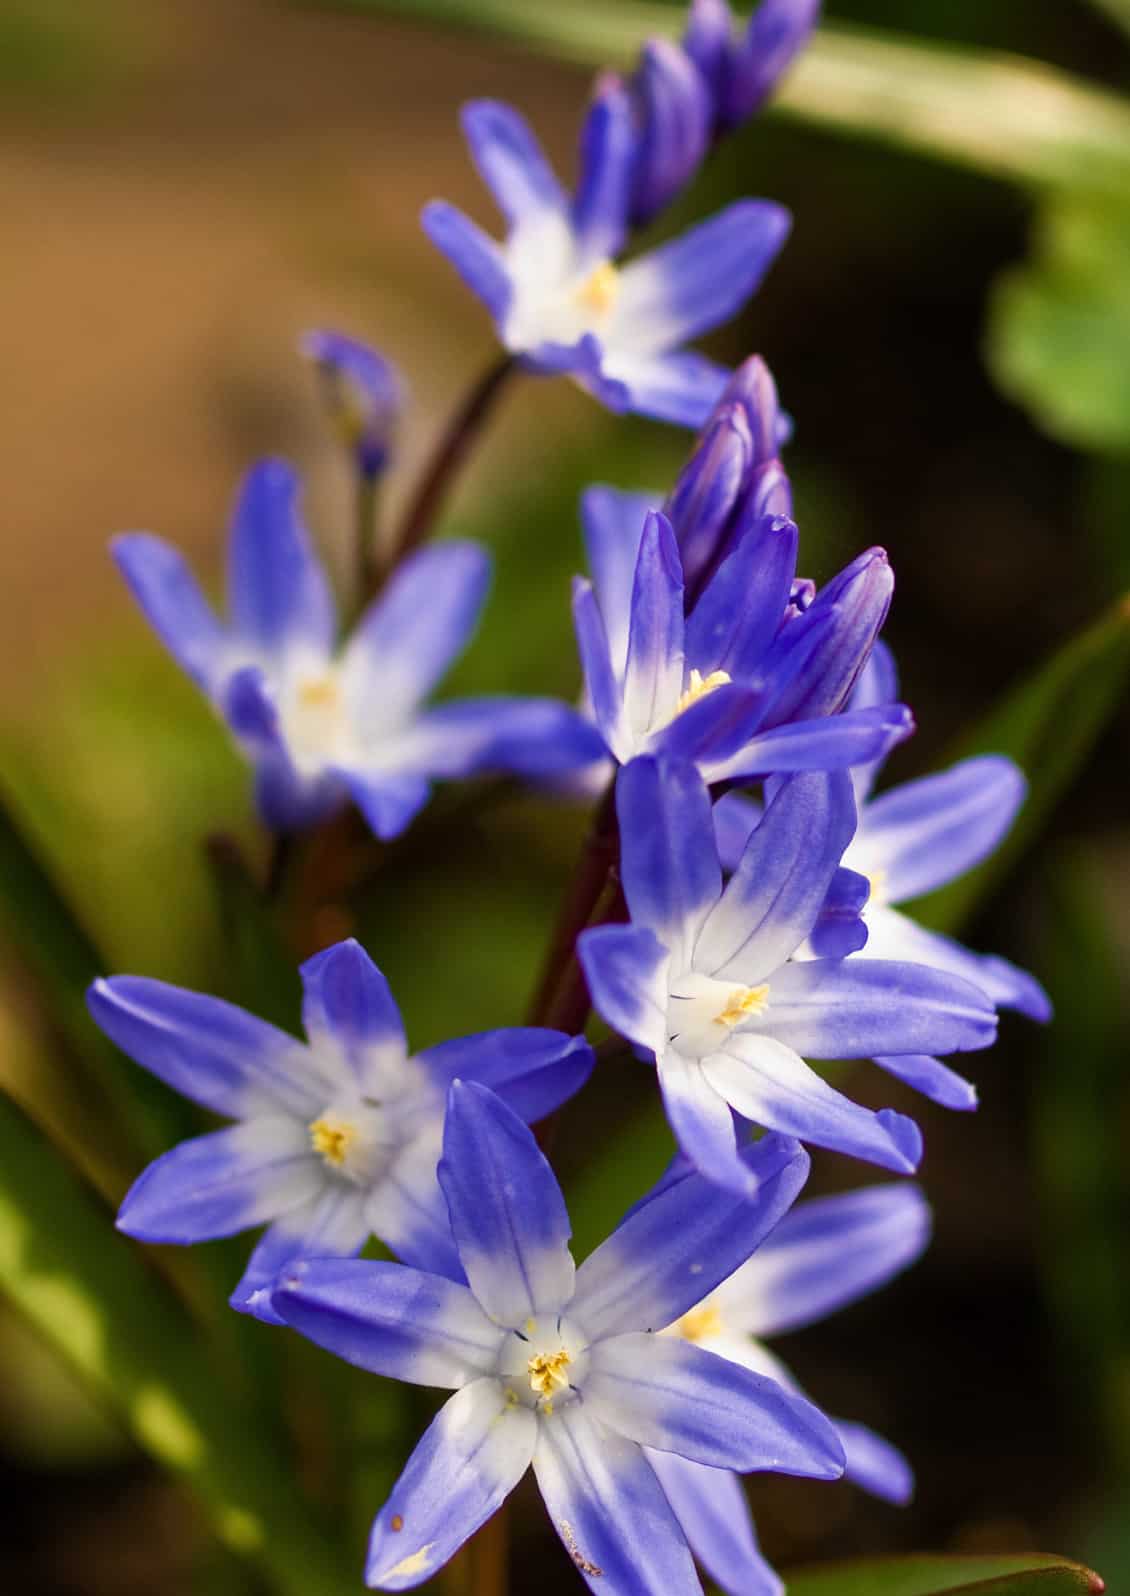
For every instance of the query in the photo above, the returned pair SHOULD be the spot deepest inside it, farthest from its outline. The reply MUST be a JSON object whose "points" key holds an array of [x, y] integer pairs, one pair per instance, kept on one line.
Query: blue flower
{"points": [[743, 69], [558, 300], [321, 725], [336, 1138], [558, 1366], [702, 977], [909, 841], [748, 682], [364, 393], [822, 1256]]}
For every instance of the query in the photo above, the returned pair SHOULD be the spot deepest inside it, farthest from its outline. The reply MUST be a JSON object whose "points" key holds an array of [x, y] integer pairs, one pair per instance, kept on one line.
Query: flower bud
{"points": [[674, 114], [832, 639], [363, 396], [777, 32], [709, 41]]}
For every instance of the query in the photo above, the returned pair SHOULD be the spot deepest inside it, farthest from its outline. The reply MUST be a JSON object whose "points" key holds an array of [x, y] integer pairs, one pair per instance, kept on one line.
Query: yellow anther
{"points": [[699, 687], [877, 881], [743, 1002], [331, 1138], [600, 289], [700, 1323], [319, 692], [547, 1374]]}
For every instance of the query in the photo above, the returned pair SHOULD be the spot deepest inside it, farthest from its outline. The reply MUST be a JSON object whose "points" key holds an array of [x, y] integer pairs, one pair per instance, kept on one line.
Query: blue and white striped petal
{"points": [[668, 863], [612, 522], [679, 386], [473, 253], [653, 672], [407, 1210], [511, 162], [875, 1465], [893, 935], [351, 1018], [702, 1122], [533, 1070], [626, 969], [507, 1212], [469, 1459], [606, 1504], [711, 1507], [279, 600], [666, 1393], [170, 598], [530, 737], [390, 1319], [328, 1225], [830, 742]]}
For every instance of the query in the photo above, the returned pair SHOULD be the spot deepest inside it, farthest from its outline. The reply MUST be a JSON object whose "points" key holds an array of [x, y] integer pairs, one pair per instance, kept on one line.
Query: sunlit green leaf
{"points": [[1049, 725], [997, 113], [1026, 1575], [89, 1295]]}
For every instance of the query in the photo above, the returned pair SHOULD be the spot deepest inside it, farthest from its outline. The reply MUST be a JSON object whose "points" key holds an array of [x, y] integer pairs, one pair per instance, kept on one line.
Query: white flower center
{"points": [[702, 1012], [354, 1141], [315, 721], [543, 1362]]}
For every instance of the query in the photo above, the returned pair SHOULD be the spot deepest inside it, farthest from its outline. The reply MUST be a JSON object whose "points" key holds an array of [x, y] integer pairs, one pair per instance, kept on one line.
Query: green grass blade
{"points": [[1030, 1574]]}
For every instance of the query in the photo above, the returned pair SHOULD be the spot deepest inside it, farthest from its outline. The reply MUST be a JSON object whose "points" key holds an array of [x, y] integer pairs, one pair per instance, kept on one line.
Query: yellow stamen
{"points": [[699, 687], [319, 692], [877, 881], [743, 1002], [547, 1374], [331, 1138], [601, 289], [700, 1323]]}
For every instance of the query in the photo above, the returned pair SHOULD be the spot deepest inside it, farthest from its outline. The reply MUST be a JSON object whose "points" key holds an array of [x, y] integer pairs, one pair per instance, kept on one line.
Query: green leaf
{"points": [[1059, 326], [89, 1295], [1049, 725], [1029, 1574], [996, 113]]}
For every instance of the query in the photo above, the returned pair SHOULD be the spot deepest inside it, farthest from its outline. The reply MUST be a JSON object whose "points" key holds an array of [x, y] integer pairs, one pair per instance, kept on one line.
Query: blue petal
{"points": [[845, 616], [708, 40], [349, 1012], [831, 742], [775, 895], [767, 1082], [406, 1208], [826, 1254], [878, 684], [613, 523], [840, 928], [530, 737], [475, 256], [666, 1393], [278, 597], [330, 1224], [894, 935], [390, 1319], [875, 1465], [708, 489], [511, 161], [681, 1241], [670, 871], [206, 1049], [248, 704], [741, 607], [700, 279], [681, 387], [927, 832], [778, 31], [675, 116], [609, 1509], [532, 1069], [470, 1458], [653, 674], [854, 1008], [507, 1212], [626, 970], [220, 1184], [712, 1509], [409, 636], [932, 1078], [735, 818], [389, 802], [174, 606], [702, 1122], [364, 393], [600, 208]]}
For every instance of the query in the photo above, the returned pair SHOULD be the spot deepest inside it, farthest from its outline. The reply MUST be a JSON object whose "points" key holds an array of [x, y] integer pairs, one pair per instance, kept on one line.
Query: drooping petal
{"points": [[741, 606], [206, 1049], [600, 207], [474, 254], [351, 1017], [220, 1184], [389, 1319], [894, 935], [675, 1247], [681, 387], [874, 1464], [932, 1078], [409, 636], [507, 1212], [667, 1393], [702, 1122], [531, 737], [389, 801], [612, 522], [711, 1507], [854, 1008], [626, 970], [929, 831], [469, 1459], [532, 1069], [607, 1505], [330, 1224], [700, 279], [602, 683], [831, 742], [168, 593], [407, 1210], [511, 162], [775, 895], [824, 1255], [279, 599], [653, 673], [770, 1084], [668, 864]]}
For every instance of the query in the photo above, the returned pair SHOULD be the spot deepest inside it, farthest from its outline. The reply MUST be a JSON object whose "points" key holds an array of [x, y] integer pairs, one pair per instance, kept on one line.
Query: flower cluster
{"points": [[729, 938]]}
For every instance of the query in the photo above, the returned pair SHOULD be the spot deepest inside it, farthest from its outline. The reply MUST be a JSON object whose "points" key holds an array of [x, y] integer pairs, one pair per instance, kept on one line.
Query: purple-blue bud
{"points": [[674, 116], [363, 395], [709, 41], [777, 32], [834, 637]]}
